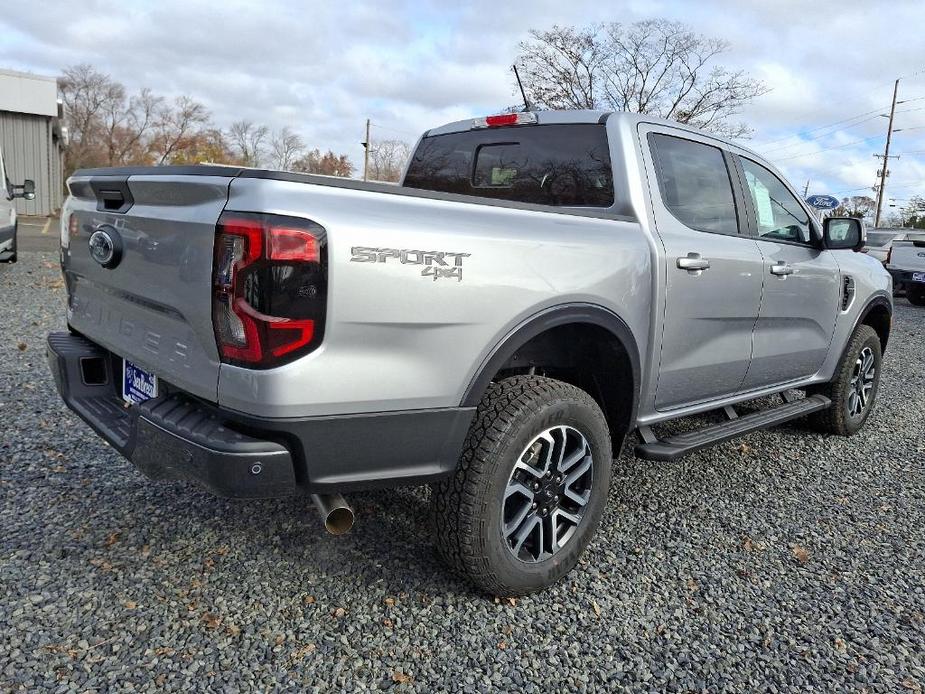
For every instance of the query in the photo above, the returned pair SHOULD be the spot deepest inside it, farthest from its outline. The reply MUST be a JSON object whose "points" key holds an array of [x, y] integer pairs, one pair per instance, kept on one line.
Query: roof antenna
{"points": [[522, 92]]}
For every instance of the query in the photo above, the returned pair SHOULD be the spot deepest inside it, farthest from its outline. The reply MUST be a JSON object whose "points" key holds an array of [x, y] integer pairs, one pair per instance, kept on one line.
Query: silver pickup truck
{"points": [[538, 287], [8, 222], [905, 261]]}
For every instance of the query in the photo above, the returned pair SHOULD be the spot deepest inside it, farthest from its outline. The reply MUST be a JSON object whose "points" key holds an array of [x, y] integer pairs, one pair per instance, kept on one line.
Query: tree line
{"points": [[654, 66], [110, 126]]}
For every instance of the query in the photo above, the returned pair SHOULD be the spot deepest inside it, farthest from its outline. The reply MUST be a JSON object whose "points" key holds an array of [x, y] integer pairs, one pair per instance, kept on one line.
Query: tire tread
{"points": [[458, 514]]}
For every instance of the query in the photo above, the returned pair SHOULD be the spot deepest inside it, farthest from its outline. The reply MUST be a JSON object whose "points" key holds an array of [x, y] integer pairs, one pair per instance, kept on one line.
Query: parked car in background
{"points": [[878, 242], [9, 192], [539, 286], [906, 263]]}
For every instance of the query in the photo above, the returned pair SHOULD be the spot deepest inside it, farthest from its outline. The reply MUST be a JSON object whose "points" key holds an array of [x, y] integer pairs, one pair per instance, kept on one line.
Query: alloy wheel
{"points": [[862, 382], [547, 493]]}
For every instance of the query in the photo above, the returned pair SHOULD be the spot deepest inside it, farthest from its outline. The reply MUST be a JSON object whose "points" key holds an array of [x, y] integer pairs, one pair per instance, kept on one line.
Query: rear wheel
{"points": [[530, 487], [916, 294], [854, 388]]}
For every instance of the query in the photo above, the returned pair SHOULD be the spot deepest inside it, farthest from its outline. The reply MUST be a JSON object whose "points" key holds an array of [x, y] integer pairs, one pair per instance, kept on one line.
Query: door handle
{"points": [[693, 263], [781, 270]]}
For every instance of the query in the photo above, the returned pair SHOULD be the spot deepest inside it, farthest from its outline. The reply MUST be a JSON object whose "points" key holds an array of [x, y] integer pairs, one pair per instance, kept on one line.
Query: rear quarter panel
{"points": [[396, 339]]}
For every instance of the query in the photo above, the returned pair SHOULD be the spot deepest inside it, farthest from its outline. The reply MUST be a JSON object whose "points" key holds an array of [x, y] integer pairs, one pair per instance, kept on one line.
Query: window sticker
{"points": [[501, 176], [762, 197]]}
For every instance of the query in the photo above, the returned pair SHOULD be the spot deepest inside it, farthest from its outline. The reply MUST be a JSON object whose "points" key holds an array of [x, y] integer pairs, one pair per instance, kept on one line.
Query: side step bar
{"points": [[674, 447]]}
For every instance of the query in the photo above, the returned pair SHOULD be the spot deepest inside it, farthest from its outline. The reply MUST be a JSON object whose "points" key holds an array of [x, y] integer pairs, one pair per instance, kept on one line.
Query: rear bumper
{"points": [[177, 436], [901, 278]]}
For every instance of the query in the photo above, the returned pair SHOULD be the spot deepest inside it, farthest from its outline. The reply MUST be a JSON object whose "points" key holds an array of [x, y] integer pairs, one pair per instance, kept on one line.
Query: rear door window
{"points": [[562, 165], [695, 184]]}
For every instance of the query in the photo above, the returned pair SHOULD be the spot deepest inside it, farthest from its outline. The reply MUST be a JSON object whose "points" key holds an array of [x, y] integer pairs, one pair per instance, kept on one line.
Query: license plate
{"points": [[137, 384], [918, 276]]}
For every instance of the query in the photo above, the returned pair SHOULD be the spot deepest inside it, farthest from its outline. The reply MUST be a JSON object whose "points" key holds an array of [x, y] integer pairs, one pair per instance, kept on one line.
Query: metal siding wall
{"points": [[29, 151]]}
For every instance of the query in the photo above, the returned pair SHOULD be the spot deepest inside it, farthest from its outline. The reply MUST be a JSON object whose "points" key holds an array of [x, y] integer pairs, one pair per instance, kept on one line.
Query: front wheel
{"points": [[530, 487], [854, 387]]}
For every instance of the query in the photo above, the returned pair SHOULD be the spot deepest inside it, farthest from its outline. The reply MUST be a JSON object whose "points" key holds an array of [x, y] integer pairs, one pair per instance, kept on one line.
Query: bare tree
{"points": [[88, 95], [655, 66], [285, 147], [914, 212], [328, 164], [127, 124], [205, 146], [856, 206], [386, 159], [175, 128], [248, 139]]}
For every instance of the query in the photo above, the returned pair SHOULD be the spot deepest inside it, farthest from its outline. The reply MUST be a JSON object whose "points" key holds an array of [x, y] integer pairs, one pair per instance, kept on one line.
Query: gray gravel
{"points": [[788, 562]]}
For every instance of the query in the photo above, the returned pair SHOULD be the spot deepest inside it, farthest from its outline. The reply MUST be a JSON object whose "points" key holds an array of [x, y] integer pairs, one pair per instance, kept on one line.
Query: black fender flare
{"points": [[555, 316], [878, 300]]}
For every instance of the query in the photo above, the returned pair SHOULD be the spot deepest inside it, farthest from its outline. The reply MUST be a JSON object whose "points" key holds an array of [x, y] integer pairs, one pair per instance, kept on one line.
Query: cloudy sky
{"points": [[322, 68]]}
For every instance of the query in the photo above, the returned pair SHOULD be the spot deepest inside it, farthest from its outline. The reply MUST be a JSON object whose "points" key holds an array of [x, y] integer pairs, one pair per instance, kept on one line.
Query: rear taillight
{"points": [[269, 288]]}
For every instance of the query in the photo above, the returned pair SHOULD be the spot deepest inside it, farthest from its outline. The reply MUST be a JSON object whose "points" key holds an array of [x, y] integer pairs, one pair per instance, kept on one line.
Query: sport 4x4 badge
{"points": [[436, 263]]}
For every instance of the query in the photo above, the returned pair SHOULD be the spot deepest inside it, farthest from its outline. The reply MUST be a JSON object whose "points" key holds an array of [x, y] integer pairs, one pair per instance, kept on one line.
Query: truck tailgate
{"points": [[153, 304], [908, 256]]}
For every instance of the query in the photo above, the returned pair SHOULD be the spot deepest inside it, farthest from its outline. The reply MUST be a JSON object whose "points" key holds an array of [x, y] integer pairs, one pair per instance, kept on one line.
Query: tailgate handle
{"points": [[112, 195], [112, 200]]}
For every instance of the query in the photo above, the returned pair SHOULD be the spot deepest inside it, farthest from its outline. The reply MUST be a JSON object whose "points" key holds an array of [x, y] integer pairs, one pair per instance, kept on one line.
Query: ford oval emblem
{"points": [[106, 246]]}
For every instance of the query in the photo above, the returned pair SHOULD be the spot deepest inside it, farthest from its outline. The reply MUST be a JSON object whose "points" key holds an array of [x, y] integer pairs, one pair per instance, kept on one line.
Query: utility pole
{"points": [[806, 189], [886, 156], [365, 144]]}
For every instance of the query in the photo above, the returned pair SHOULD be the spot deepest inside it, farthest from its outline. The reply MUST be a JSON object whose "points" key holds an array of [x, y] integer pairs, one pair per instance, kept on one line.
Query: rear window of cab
{"points": [[565, 165]]}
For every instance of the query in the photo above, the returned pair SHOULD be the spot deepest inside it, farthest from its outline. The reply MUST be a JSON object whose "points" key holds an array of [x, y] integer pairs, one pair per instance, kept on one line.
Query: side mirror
{"points": [[26, 191], [842, 233]]}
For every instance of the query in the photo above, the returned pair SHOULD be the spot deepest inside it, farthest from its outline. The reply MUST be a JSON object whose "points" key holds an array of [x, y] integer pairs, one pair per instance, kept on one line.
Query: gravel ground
{"points": [[785, 562]]}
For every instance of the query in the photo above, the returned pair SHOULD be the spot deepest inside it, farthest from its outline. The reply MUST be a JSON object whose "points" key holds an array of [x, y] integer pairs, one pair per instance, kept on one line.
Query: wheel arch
{"points": [[541, 341], [878, 314]]}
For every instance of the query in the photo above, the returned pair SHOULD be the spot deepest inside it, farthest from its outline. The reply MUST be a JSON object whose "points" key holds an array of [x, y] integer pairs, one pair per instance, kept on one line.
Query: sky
{"points": [[322, 68]]}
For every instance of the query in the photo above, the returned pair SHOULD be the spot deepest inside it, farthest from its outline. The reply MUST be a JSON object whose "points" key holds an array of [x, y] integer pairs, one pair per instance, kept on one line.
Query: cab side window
{"points": [[780, 215], [695, 184]]}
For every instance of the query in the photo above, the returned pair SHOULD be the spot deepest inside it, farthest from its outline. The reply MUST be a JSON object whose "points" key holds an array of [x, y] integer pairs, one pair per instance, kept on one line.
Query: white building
{"points": [[32, 138]]}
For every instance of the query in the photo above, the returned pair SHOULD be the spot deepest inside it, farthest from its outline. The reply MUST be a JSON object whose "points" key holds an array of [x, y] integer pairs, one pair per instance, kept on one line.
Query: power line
{"points": [[847, 144], [826, 149], [819, 137], [823, 127], [394, 130], [901, 184]]}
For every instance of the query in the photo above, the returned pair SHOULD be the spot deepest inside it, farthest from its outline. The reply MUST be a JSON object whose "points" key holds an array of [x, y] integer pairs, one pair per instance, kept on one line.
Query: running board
{"points": [[674, 447]]}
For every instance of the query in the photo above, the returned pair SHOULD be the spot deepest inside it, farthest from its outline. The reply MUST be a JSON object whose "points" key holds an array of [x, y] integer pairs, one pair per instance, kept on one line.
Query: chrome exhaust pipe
{"points": [[335, 512]]}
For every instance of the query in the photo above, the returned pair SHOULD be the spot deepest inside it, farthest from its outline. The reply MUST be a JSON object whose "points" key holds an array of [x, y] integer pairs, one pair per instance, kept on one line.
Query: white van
{"points": [[8, 213]]}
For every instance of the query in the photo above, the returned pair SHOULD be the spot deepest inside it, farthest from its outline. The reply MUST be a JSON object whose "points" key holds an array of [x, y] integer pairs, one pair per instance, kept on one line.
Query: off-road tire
{"points": [[835, 420], [916, 294], [467, 507]]}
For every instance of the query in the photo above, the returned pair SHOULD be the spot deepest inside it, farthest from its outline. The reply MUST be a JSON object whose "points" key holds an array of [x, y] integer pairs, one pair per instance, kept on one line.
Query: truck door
{"points": [[801, 284], [712, 268]]}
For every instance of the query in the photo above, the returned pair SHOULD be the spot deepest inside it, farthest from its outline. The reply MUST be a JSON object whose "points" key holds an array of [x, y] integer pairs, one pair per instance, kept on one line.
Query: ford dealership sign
{"points": [[822, 202]]}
